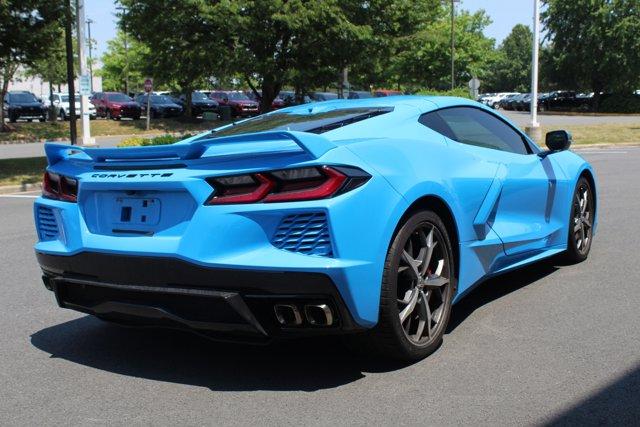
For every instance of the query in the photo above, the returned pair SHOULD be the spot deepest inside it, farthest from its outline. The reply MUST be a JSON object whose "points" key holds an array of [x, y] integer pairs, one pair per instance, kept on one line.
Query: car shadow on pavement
{"points": [[181, 357], [498, 287]]}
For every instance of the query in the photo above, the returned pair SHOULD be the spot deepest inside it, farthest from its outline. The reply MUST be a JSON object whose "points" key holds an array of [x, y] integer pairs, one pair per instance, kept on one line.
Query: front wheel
{"points": [[418, 286], [581, 222]]}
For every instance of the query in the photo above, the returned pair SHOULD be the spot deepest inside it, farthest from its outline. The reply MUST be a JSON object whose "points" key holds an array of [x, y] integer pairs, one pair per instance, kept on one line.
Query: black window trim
{"points": [[532, 148]]}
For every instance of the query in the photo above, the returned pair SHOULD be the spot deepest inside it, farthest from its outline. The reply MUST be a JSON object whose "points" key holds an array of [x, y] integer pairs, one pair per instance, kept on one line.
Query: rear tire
{"points": [[418, 286], [581, 219]]}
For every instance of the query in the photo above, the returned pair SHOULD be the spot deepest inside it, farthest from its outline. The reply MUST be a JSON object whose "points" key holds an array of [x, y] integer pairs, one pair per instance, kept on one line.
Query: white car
{"points": [[61, 100], [494, 101]]}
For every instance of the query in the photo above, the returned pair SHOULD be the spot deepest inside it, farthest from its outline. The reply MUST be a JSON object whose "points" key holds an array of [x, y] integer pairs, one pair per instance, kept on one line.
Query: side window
{"points": [[473, 126]]}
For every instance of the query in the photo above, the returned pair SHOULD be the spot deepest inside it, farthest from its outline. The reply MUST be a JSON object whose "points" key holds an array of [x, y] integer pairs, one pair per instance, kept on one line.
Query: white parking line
{"points": [[600, 152], [18, 196]]}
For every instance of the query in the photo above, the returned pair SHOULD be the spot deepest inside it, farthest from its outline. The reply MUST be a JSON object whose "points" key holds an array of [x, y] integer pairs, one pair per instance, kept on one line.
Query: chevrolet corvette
{"points": [[368, 218]]}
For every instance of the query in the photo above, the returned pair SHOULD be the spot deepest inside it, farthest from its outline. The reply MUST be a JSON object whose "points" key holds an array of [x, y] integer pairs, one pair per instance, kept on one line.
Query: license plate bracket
{"points": [[136, 211]]}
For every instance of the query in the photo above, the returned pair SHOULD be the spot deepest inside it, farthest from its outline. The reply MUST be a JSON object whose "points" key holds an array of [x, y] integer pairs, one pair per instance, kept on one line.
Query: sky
{"points": [[504, 13]]}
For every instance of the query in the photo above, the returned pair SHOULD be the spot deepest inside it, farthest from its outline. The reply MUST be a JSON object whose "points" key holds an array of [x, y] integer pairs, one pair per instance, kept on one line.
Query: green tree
{"points": [[427, 63], [28, 30], [595, 43], [122, 66], [186, 40], [511, 70]]}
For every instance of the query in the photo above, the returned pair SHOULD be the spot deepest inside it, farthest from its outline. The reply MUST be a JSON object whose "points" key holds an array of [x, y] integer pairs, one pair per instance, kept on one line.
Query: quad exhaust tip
{"points": [[318, 314], [314, 314], [287, 314]]}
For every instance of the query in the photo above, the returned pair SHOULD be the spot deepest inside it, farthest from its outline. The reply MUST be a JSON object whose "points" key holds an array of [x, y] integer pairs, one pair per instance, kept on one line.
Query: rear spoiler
{"points": [[313, 145]]}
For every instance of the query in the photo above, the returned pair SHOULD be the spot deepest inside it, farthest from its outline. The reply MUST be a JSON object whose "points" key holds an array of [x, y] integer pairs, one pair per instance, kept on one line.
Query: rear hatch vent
{"points": [[306, 233]]}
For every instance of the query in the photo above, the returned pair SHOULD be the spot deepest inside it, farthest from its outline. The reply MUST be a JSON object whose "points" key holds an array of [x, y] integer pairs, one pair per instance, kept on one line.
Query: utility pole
{"points": [[90, 41], [84, 99], [68, 41], [533, 130]]}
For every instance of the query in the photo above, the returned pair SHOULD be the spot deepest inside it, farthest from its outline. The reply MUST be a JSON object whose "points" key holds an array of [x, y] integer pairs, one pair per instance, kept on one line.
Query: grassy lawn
{"points": [[22, 171], [602, 134], [36, 131]]}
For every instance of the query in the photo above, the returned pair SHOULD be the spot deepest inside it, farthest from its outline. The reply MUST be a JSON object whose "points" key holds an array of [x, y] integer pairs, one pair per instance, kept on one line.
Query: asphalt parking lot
{"points": [[551, 344]]}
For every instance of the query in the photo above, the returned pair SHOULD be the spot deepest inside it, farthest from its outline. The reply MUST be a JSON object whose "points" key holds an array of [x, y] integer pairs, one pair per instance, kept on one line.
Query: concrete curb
{"points": [[8, 189]]}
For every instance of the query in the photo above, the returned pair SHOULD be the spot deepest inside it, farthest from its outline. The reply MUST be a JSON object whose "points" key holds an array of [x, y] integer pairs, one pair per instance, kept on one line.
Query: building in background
{"points": [[40, 88]]}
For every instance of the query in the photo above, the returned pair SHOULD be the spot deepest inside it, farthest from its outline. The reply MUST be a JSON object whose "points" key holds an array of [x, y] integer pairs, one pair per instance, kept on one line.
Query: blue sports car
{"points": [[367, 217]]}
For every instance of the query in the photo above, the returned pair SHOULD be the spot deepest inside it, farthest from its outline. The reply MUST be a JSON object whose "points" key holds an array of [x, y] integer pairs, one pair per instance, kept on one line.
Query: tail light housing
{"points": [[59, 187], [286, 185]]}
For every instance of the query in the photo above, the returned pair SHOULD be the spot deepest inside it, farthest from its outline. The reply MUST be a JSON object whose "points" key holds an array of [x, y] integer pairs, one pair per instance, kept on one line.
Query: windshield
{"points": [[159, 99], [65, 98], [118, 97], [199, 96], [22, 97], [306, 121], [237, 96]]}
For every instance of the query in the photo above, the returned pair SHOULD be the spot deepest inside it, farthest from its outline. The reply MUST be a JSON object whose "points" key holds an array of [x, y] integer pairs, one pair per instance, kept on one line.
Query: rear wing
{"points": [[315, 146]]}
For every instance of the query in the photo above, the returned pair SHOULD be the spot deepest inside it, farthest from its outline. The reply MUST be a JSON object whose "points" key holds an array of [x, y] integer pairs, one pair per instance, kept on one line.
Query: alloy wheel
{"points": [[423, 284], [582, 218]]}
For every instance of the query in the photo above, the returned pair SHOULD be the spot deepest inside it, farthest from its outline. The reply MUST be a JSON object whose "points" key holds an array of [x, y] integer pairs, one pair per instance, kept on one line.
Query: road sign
{"points": [[474, 86], [85, 85], [148, 85]]}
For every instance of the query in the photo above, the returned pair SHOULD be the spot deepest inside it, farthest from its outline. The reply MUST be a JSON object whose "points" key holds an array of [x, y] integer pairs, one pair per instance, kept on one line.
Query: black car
{"points": [[359, 94], [289, 98], [563, 100], [523, 103], [507, 103], [200, 103], [159, 105], [23, 105]]}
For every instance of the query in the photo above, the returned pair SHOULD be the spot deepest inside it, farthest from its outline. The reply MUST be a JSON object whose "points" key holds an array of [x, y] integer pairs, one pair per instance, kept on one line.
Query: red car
{"points": [[386, 92], [115, 105], [277, 103], [240, 103]]}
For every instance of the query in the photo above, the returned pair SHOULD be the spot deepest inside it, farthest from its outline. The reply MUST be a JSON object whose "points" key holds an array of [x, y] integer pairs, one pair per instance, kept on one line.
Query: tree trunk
{"points": [[52, 108], [7, 75], [270, 89], [188, 96]]}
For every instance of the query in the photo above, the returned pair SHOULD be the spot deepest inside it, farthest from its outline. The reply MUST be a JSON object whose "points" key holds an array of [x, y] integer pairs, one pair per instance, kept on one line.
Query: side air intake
{"points": [[305, 233]]}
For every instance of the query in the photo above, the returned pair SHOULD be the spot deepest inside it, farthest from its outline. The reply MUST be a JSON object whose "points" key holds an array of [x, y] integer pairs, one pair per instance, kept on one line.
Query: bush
{"points": [[138, 141], [459, 92], [620, 103]]}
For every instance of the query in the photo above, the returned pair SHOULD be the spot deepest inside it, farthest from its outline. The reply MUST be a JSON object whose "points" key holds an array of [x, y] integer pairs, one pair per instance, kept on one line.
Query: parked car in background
{"points": [[484, 96], [61, 100], [200, 103], [507, 103], [523, 103], [159, 105], [564, 100], [289, 98], [359, 94], [115, 105], [277, 103], [241, 105], [23, 105], [494, 101], [386, 92], [323, 96]]}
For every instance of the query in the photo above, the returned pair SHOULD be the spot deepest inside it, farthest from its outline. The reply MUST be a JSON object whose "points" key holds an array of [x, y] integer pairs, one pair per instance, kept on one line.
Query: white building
{"points": [[40, 88]]}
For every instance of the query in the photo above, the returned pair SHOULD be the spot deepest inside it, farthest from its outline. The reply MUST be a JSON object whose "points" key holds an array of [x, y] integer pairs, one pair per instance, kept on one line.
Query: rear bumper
{"points": [[166, 292]]}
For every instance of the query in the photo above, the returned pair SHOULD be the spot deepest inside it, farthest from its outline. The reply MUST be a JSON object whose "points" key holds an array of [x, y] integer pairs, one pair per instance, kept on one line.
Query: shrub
{"points": [[620, 103], [134, 141], [459, 92], [138, 141]]}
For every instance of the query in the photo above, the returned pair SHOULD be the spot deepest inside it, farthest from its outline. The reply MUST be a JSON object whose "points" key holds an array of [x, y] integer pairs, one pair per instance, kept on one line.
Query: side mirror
{"points": [[558, 140]]}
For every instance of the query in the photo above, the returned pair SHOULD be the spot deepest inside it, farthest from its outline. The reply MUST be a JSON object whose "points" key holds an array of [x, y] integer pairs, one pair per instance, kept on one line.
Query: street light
{"points": [[533, 130], [90, 42], [453, 43], [126, 52]]}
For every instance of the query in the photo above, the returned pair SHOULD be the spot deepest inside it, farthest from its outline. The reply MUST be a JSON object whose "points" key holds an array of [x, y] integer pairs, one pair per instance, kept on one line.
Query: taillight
{"points": [[287, 185], [59, 187]]}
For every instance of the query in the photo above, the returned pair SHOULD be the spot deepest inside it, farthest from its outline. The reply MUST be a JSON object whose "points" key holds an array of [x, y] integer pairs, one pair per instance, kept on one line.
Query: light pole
{"points": [[90, 40], [453, 44], [84, 99], [126, 52], [533, 130]]}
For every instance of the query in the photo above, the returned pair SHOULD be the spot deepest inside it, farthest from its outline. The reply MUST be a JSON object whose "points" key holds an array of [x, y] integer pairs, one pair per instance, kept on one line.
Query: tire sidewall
{"points": [[391, 314], [572, 249]]}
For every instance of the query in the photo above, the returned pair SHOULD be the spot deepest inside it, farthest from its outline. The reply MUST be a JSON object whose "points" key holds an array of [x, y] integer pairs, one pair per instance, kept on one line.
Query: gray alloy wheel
{"points": [[581, 222], [418, 285], [423, 284]]}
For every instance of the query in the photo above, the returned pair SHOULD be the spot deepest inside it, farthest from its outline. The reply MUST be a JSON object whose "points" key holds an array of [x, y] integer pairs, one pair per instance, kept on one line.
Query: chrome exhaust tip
{"points": [[287, 314], [318, 314]]}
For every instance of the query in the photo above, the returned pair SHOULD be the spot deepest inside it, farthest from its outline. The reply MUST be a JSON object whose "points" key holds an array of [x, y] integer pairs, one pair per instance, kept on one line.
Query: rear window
{"points": [[118, 97], [320, 122]]}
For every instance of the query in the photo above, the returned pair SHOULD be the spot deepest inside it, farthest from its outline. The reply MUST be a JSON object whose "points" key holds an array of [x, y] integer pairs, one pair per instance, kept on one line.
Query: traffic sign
{"points": [[474, 86], [85, 85], [148, 85]]}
